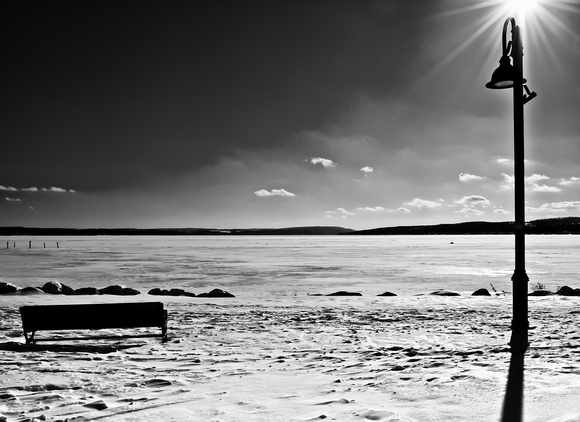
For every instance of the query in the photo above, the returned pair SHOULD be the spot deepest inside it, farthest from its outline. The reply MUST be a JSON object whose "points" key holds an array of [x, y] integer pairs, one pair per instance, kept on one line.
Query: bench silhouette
{"points": [[94, 316]]}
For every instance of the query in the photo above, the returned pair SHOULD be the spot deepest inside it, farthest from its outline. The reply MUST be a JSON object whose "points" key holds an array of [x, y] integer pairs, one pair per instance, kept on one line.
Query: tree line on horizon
{"points": [[563, 225]]}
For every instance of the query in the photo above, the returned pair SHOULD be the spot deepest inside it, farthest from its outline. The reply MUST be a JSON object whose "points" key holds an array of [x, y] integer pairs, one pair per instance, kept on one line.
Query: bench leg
{"points": [[29, 338], [164, 334], [164, 327]]}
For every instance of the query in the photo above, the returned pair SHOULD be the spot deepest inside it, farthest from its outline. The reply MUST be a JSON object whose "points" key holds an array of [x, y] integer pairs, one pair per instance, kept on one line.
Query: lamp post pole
{"points": [[519, 339], [507, 76]]}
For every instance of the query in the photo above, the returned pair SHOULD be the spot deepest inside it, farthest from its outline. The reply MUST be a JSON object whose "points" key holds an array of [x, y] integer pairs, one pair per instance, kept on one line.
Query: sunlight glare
{"points": [[544, 24], [521, 8]]}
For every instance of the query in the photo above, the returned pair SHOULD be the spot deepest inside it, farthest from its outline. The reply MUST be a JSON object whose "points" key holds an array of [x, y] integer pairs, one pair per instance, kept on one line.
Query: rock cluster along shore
{"points": [[562, 291], [57, 288]]}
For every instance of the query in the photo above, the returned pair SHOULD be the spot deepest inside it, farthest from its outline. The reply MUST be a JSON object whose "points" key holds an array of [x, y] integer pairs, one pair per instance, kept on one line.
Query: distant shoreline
{"points": [[565, 225]]}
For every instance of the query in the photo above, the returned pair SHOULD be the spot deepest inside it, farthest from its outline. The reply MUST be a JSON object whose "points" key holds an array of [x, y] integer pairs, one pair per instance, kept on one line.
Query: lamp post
{"points": [[508, 76]]}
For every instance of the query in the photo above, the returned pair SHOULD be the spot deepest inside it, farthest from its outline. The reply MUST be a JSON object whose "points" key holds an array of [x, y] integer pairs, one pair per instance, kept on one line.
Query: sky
{"points": [[270, 113]]}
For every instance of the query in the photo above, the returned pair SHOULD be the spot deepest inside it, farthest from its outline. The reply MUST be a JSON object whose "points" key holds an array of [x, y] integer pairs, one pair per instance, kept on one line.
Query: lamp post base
{"points": [[520, 325]]}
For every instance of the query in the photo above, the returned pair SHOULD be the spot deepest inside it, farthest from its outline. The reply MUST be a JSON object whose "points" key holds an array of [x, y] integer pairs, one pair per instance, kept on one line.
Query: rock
{"points": [[164, 292], [540, 292], [481, 292], [387, 294], [157, 382], [57, 288], [129, 291], [86, 291], [444, 293], [111, 290], [52, 287], [30, 291], [6, 288], [156, 292], [173, 292], [565, 291], [216, 293], [176, 292], [119, 291], [98, 405], [55, 387], [66, 290], [344, 293]]}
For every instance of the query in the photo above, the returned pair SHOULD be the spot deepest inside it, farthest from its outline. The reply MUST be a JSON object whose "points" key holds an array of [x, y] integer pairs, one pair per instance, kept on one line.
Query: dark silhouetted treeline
{"points": [[565, 225], [40, 231]]}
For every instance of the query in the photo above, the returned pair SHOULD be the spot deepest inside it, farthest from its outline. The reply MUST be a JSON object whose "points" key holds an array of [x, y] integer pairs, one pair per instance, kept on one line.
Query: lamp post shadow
{"points": [[513, 402]]}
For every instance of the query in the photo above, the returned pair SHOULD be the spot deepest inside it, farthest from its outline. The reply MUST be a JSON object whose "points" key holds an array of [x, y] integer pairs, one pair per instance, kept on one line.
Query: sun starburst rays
{"points": [[543, 23]]}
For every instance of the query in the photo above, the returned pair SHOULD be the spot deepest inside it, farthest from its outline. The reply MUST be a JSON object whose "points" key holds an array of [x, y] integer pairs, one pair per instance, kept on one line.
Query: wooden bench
{"points": [[93, 317]]}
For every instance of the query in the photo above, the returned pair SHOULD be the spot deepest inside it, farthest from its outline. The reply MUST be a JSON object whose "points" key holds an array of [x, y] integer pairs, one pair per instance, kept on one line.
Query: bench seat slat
{"points": [[119, 337]]}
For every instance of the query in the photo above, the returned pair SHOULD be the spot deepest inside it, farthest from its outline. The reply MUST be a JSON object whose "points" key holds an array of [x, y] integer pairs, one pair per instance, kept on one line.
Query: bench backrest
{"points": [[93, 316]]}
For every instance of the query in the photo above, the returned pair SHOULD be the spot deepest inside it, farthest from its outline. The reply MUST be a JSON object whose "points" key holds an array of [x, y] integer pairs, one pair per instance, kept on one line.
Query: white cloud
{"points": [[570, 181], [325, 162], [507, 161], [469, 211], [403, 209], [531, 181], [509, 181], [466, 177], [470, 204], [35, 189], [370, 209], [273, 192], [501, 211], [421, 203], [367, 169], [53, 189], [534, 178], [504, 161], [545, 188], [472, 200], [339, 213], [565, 206], [342, 211], [12, 199]]}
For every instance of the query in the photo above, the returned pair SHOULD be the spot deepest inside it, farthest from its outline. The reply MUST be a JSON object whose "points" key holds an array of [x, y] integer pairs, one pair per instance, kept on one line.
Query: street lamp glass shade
{"points": [[504, 76]]}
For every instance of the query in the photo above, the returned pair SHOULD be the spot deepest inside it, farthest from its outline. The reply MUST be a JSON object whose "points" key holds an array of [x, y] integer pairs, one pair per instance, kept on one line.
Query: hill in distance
{"points": [[565, 225], [40, 231]]}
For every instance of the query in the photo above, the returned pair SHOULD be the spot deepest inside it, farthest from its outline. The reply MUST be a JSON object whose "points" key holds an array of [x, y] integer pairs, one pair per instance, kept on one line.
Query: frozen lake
{"points": [[289, 265]]}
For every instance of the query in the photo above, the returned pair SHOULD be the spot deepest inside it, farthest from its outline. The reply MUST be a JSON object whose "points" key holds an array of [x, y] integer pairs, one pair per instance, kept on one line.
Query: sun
{"points": [[522, 8]]}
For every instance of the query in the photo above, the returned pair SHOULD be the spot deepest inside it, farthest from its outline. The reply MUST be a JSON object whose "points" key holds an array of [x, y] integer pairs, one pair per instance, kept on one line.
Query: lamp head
{"points": [[504, 76]]}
